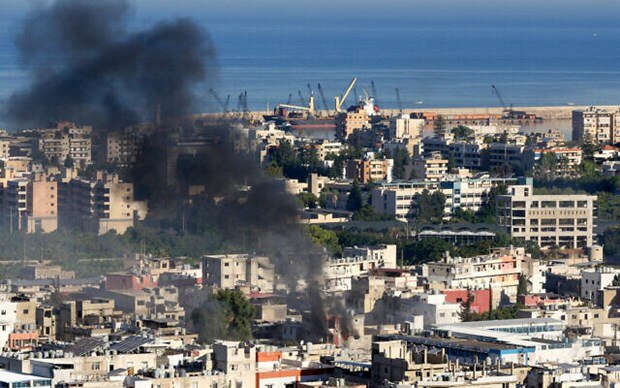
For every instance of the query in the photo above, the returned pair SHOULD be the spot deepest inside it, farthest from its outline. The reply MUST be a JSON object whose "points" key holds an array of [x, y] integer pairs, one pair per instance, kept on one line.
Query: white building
{"points": [[357, 262], [594, 280], [433, 307], [405, 126], [399, 198], [498, 270]]}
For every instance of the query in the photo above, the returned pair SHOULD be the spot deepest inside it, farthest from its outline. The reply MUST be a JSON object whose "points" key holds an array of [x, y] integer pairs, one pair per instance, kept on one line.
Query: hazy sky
{"points": [[579, 12]]}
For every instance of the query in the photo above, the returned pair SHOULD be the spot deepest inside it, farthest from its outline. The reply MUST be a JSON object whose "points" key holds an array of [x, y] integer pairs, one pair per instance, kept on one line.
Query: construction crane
{"points": [[399, 102], [302, 99], [309, 108], [373, 90], [242, 103], [495, 92], [223, 104], [324, 99], [340, 99]]}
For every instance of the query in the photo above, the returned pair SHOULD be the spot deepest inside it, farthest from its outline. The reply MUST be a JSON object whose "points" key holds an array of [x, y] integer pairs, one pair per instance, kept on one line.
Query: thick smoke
{"points": [[87, 66]]}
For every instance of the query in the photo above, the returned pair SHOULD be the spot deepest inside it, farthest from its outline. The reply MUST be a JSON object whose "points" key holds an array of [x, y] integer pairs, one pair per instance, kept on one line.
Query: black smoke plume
{"points": [[87, 65]]}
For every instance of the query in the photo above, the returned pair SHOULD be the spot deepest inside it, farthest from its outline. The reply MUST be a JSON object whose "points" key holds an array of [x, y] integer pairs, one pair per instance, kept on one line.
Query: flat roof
{"points": [[502, 323], [12, 377]]}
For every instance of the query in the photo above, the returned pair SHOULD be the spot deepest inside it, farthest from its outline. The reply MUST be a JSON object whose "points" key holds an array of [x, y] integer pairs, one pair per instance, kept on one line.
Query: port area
{"points": [[561, 112]]}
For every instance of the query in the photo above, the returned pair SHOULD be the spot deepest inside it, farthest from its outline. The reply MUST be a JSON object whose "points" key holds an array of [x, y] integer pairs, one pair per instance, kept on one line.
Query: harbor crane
{"points": [[302, 99], [223, 104], [399, 102], [310, 108], [373, 90], [508, 112], [322, 94], [242, 103], [340, 99], [290, 97], [495, 92]]}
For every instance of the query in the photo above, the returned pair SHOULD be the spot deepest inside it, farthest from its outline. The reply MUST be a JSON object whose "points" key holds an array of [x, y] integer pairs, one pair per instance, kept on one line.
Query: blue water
{"points": [[433, 65]]}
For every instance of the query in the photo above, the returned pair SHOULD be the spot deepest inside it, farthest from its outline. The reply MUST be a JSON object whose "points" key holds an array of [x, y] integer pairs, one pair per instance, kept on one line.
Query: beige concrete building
{"points": [[67, 140], [569, 159], [397, 361], [122, 146], [351, 121], [42, 205], [100, 205], [406, 126], [432, 168], [371, 170], [596, 126], [237, 361], [565, 221], [231, 270]]}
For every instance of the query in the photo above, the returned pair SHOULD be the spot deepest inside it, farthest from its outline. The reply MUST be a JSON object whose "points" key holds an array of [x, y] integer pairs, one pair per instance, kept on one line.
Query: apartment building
{"points": [[231, 270], [594, 281], [565, 221], [42, 205], [370, 170], [569, 159], [99, 205], [67, 140], [122, 147], [431, 168], [396, 360], [513, 155], [326, 148], [351, 121], [406, 126], [357, 261], [498, 270], [597, 126], [399, 198]]}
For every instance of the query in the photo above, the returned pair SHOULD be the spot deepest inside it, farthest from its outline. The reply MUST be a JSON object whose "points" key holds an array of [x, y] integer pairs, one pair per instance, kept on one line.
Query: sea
{"points": [[431, 65]]}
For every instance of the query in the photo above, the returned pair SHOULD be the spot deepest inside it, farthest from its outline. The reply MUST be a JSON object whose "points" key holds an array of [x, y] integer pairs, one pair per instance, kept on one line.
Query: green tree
{"points": [[439, 125], [588, 148], [430, 206], [355, 200], [522, 286], [308, 200], [462, 132], [325, 238], [587, 169], [401, 159], [466, 314], [488, 211], [239, 313], [547, 166], [369, 214]]}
